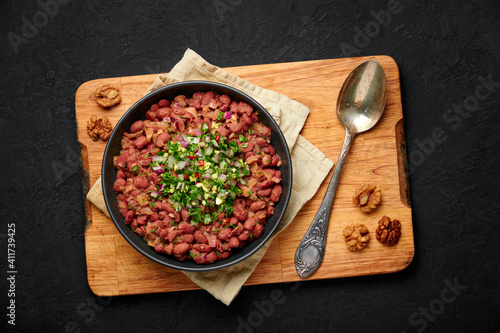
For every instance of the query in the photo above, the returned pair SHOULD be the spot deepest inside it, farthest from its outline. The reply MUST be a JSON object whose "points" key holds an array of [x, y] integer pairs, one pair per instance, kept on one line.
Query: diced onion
{"points": [[183, 141], [209, 150], [170, 162], [154, 194], [181, 165], [227, 115], [158, 169], [222, 177], [159, 159], [217, 158]]}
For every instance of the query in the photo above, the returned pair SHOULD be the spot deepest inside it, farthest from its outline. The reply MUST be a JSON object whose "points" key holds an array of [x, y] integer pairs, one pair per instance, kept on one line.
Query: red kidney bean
{"points": [[181, 248], [140, 142], [189, 238], [270, 210], [266, 183], [156, 206], [261, 130], [253, 159], [121, 161], [269, 150], [162, 139], [163, 103], [276, 193], [211, 257], [119, 185], [151, 115], [186, 228], [141, 182], [120, 174], [275, 159], [257, 231], [245, 119], [250, 223], [172, 233], [167, 206], [234, 242], [162, 215], [235, 127], [238, 230], [225, 233], [225, 99], [246, 147], [177, 216], [240, 212], [163, 112], [266, 160], [184, 214], [195, 255], [233, 107], [169, 248], [159, 248], [245, 108], [200, 237], [223, 131], [244, 235], [207, 97], [261, 215], [261, 142], [141, 220], [202, 248], [223, 255], [163, 234], [129, 217], [258, 205], [137, 126]]}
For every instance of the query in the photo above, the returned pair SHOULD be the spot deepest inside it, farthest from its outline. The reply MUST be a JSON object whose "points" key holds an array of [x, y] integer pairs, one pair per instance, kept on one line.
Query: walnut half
{"points": [[388, 231], [107, 96], [356, 237], [99, 128], [367, 198]]}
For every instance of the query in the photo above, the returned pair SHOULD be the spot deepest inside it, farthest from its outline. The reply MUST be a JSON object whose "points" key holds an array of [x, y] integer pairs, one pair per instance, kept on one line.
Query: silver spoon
{"points": [[359, 107]]}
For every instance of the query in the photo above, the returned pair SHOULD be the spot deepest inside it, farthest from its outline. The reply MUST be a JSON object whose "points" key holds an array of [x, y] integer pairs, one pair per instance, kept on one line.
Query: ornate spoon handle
{"points": [[311, 249]]}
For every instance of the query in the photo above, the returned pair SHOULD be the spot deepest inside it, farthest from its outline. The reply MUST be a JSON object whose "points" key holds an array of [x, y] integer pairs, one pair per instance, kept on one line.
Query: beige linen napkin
{"points": [[310, 166]]}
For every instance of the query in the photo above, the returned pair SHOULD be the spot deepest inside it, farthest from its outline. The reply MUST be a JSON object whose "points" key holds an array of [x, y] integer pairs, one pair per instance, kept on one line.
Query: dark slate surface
{"points": [[448, 54]]}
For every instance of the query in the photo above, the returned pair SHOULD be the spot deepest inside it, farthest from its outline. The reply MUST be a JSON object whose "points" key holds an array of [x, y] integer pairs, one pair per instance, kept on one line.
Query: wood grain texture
{"points": [[115, 268]]}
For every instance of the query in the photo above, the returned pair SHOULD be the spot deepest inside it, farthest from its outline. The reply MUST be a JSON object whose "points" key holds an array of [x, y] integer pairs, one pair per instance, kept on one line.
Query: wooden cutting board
{"points": [[376, 157]]}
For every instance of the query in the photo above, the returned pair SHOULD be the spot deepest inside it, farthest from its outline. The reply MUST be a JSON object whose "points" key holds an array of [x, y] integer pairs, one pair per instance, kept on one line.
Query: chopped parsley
{"points": [[203, 176]]}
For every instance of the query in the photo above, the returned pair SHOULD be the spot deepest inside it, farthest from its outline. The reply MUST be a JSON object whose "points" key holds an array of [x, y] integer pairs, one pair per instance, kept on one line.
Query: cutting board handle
{"points": [[404, 182]]}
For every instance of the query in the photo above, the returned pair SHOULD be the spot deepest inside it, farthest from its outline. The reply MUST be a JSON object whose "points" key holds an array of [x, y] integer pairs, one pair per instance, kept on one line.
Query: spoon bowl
{"points": [[360, 105], [362, 97]]}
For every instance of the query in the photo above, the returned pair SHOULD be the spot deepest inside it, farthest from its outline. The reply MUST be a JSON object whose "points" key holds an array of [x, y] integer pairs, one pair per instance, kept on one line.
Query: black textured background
{"points": [[445, 50]]}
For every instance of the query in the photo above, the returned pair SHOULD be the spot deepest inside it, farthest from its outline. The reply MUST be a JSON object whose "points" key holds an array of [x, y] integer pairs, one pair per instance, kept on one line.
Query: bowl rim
{"points": [[219, 264]]}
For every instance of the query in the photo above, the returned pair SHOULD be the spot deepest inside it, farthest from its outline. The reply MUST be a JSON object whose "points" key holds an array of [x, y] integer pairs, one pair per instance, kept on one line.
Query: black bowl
{"points": [[137, 112]]}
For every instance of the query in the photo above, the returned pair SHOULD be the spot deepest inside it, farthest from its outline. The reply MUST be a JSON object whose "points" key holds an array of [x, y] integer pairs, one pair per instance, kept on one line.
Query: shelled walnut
{"points": [[367, 197], [356, 237], [107, 95], [388, 231], [99, 128]]}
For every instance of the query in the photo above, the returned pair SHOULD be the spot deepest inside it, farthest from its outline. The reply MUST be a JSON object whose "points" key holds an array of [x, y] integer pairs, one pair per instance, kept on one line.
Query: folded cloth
{"points": [[310, 166]]}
